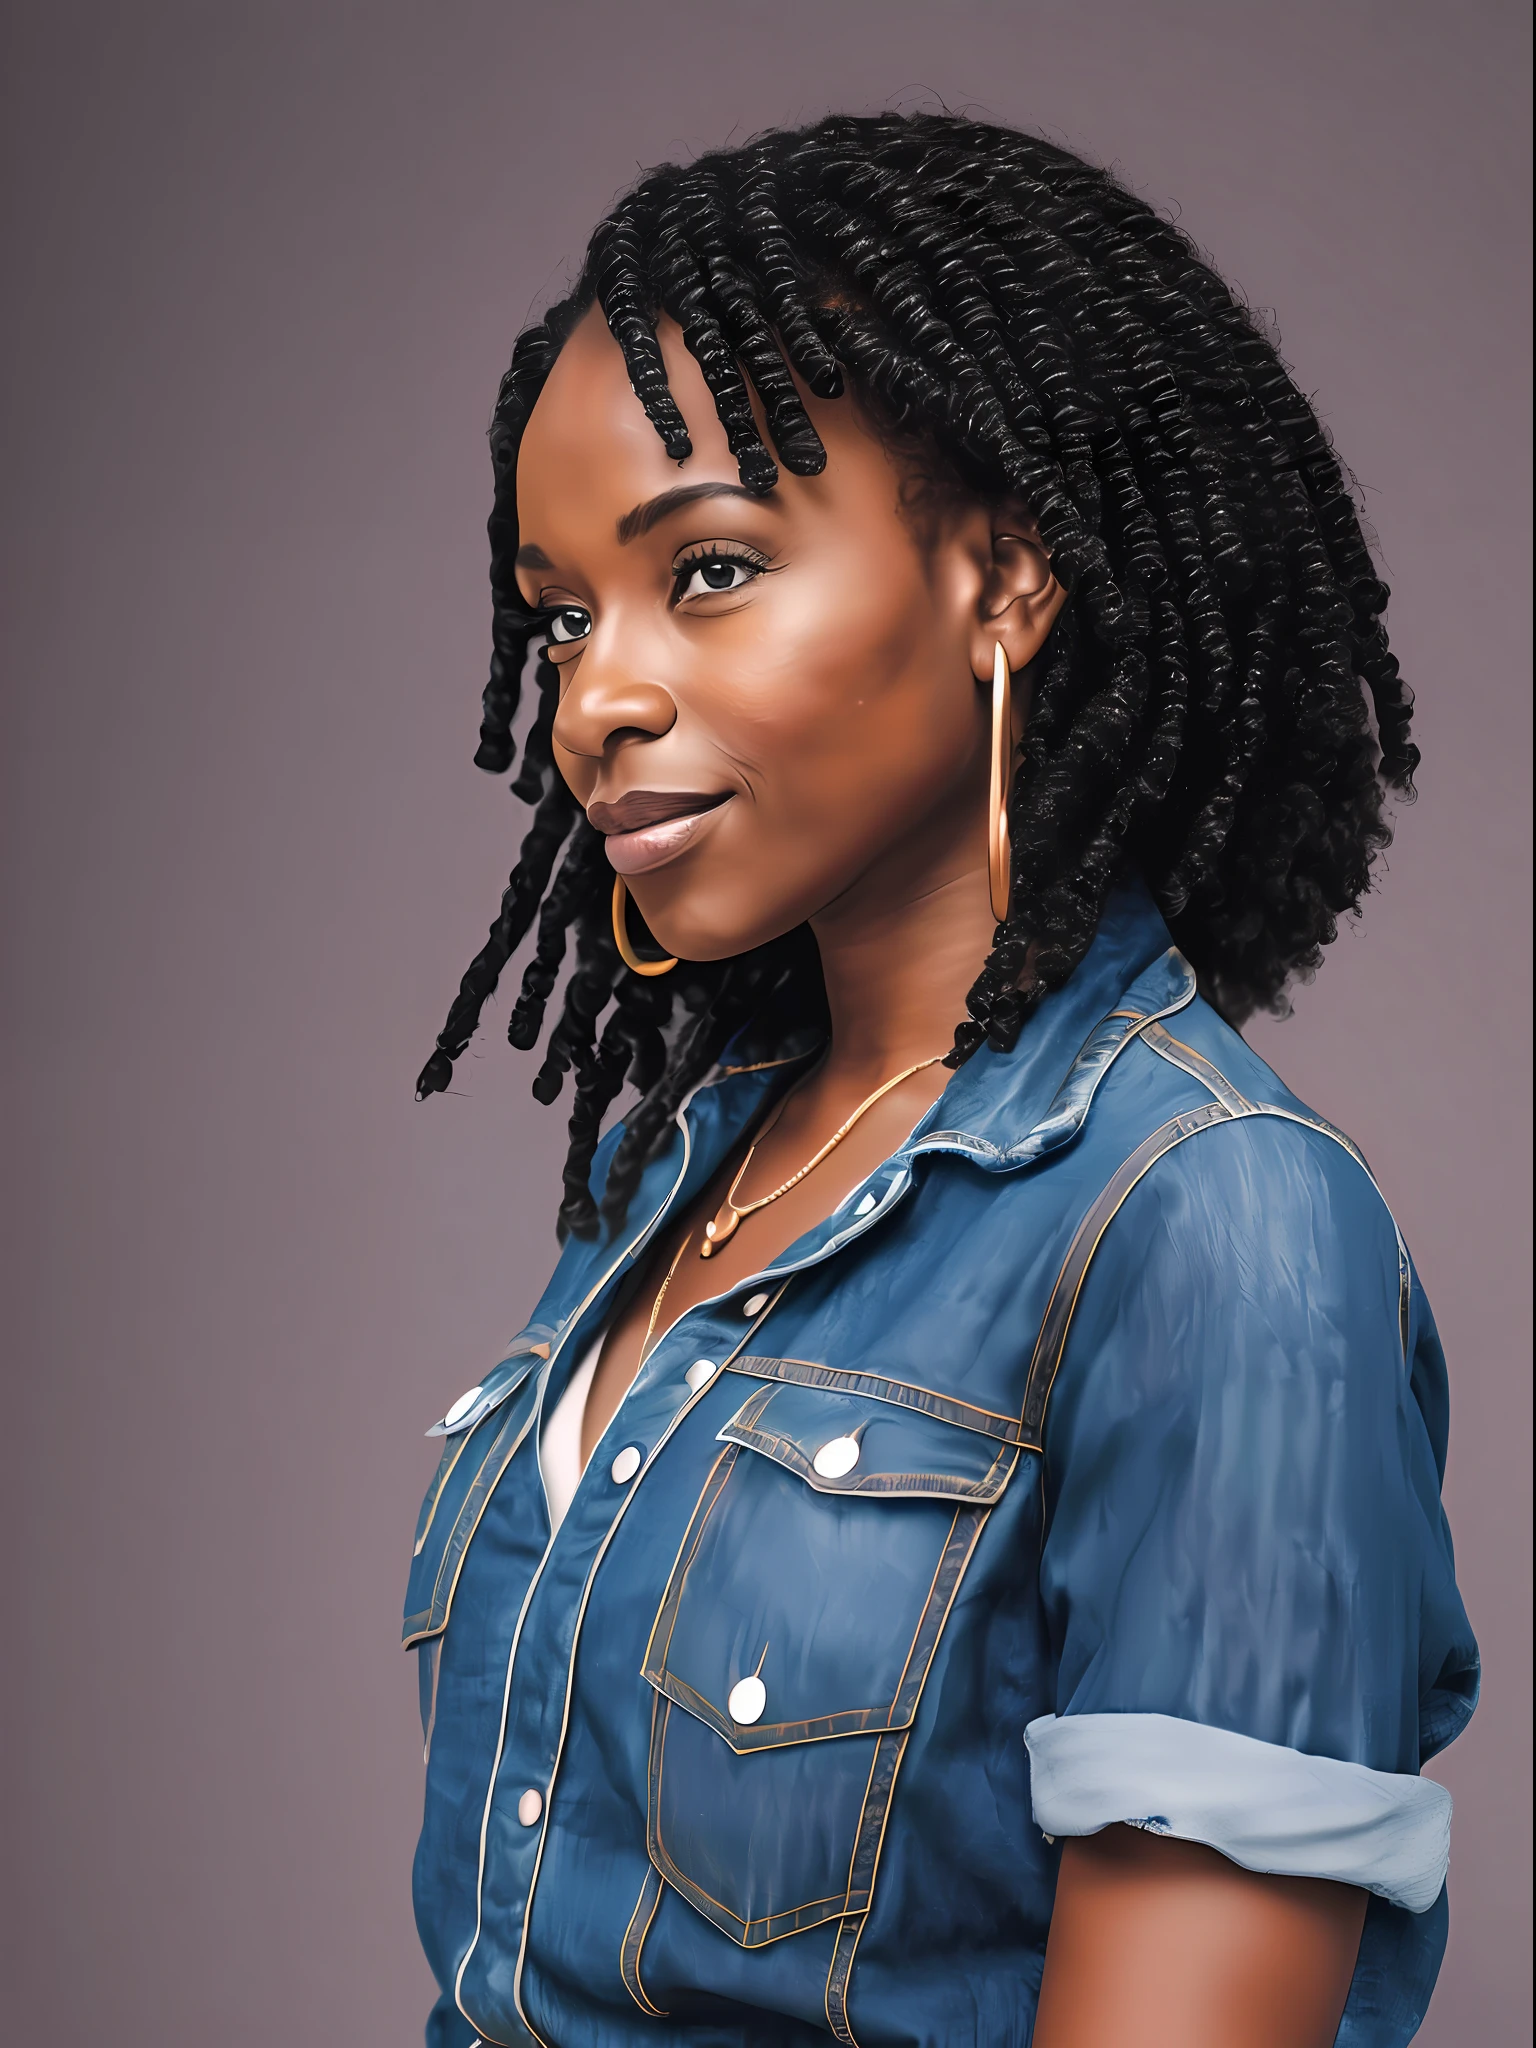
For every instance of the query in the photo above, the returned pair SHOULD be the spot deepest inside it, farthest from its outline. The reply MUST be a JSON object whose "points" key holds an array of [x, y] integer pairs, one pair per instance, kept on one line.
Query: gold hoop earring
{"points": [[627, 953], [999, 844]]}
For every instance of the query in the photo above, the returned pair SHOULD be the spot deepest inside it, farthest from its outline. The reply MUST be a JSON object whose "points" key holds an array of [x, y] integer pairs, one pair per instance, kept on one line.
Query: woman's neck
{"points": [[897, 971]]}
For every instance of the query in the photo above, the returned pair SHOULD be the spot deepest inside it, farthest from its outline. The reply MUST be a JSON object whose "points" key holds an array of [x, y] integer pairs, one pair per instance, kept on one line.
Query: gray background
{"points": [[264, 267]]}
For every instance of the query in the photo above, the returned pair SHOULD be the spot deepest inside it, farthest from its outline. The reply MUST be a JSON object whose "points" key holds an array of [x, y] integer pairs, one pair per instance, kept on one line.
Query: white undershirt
{"points": [[560, 1458]]}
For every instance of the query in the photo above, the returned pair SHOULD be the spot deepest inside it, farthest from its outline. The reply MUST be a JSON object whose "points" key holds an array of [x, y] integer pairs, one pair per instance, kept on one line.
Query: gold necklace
{"points": [[728, 1217], [661, 1295]]}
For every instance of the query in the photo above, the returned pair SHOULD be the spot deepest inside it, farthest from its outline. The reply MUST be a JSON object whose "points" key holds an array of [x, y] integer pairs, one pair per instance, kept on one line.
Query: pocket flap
{"points": [[816, 1575], [850, 1443], [472, 1463]]}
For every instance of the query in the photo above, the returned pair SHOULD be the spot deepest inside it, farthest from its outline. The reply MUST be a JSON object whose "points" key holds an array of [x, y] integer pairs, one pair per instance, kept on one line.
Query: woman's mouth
{"points": [[650, 826]]}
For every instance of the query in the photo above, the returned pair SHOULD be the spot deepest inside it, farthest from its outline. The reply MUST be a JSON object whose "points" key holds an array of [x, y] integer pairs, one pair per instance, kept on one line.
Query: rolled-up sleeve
{"points": [[1246, 1568]]}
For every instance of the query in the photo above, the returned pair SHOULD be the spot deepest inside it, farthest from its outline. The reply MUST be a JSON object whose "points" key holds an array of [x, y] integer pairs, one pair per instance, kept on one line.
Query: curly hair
{"points": [[1200, 709]]}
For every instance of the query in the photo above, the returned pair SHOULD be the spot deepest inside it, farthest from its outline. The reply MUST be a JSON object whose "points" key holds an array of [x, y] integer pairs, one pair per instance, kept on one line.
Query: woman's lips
{"points": [[647, 827]]}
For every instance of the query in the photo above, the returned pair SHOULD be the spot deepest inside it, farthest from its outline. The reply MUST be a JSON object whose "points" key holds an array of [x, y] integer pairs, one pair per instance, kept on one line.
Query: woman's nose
{"points": [[605, 702]]}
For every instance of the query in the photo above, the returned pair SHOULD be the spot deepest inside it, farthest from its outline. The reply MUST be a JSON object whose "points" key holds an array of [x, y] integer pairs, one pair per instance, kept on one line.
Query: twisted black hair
{"points": [[1039, 334]]}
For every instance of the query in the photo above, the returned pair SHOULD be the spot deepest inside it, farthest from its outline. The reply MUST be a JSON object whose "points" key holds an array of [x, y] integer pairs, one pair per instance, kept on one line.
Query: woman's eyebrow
{"points": [[642, 518], [640, 521]]}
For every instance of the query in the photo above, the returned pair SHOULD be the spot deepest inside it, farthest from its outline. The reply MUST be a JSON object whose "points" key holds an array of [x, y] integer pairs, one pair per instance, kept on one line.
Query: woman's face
{"points": [[770, 705]]}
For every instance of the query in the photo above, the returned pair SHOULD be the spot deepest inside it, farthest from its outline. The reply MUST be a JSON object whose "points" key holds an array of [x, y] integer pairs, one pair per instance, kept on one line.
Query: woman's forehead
{"points": [[588, 429], [589, 454]]}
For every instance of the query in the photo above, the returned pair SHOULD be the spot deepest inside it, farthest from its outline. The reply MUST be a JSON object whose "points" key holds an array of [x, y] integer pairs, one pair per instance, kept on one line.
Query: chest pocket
{"points": [[789, 1654], [471, 1466]]}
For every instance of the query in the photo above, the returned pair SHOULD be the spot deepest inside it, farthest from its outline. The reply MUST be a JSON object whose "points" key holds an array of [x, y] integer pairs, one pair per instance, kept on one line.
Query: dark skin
{"points": [[779, 711]]}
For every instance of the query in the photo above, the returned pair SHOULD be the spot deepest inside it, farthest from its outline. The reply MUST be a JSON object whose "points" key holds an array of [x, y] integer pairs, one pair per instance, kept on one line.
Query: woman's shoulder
{"points": [[1241, 1147], [1247, 1274], [1244, 1214]]}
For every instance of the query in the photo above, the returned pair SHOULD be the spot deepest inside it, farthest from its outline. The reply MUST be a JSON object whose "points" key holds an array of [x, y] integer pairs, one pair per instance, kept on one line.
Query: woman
{"points": [[956, 1555]]}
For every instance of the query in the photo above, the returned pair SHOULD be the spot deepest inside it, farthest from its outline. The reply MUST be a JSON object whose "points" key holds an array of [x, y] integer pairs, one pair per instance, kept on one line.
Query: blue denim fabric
{"points": [[1227, 1517]]}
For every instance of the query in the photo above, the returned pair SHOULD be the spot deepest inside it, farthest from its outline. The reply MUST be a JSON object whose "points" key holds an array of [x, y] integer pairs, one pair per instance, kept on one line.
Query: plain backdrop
{"points": [[262, 267]]}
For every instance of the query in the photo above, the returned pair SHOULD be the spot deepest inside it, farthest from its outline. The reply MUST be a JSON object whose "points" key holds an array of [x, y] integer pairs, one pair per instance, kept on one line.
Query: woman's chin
{"points": [[707, 910], [706, 940]]}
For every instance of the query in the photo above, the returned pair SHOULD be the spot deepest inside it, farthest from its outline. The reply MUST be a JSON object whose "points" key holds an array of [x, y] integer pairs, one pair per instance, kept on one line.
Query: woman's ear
{"points": [[1020, 597]]}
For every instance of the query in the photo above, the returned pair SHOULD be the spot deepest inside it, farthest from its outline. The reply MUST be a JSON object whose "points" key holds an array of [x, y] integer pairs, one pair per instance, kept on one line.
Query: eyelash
{"points": [[736, 558]]}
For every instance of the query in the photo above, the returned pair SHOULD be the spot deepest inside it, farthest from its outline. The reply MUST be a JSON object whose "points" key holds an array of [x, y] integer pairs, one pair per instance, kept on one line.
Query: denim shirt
{"points": [[1082, 1467]]}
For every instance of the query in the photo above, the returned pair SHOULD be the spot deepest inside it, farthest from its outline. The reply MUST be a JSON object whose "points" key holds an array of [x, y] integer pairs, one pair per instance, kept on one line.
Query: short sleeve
{"points": [[1246, 1569]]}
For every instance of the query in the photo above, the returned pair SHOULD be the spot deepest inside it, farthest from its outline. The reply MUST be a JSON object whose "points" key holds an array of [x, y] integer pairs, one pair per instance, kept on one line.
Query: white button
{"points": [[835, 1460], [699, 1374], [625, 1465], [753, 1303], [530, 1806], [461, 1407], [865, 1206], [748, 1697]]}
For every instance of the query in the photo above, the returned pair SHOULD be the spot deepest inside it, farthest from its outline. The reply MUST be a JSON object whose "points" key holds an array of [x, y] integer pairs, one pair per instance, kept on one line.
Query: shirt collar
{"points": [[1000, 1110], [1003, 1110]]}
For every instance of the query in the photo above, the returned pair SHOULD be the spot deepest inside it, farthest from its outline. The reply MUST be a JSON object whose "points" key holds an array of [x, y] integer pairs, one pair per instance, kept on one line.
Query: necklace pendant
{"points": [[720, 1231]]}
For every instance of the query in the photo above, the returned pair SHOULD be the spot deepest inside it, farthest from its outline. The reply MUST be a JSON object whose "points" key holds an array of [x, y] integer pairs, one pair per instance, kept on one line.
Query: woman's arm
{"points": [[1157, 1943]]}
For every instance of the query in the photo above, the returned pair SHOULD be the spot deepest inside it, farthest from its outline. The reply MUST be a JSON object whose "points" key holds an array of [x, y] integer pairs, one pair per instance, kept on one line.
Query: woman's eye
{"points": [[570, 622], [715, 573]]}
